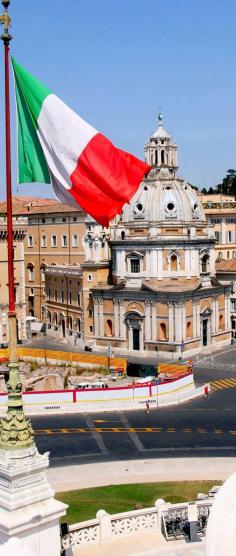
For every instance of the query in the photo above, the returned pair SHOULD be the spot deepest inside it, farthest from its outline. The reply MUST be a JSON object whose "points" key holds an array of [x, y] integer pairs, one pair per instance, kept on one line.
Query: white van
{"points": [[91, 385]]}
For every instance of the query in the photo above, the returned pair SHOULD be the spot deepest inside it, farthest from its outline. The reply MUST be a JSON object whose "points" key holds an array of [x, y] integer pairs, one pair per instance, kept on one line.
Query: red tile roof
{"points": [[226, 266], [37, 205]]}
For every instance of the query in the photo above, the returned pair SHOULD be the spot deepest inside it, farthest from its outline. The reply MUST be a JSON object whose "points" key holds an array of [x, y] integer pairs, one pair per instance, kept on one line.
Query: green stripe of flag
{"points": [[30, 94]]}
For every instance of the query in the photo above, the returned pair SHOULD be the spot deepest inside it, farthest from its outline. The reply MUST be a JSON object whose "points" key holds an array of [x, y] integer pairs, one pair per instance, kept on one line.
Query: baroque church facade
{"points": [[161, 293]]}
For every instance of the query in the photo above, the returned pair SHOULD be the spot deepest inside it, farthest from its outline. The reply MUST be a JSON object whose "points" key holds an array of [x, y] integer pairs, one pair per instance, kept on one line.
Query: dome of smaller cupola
{"points": [[173, 201], [160, 132], [161, 151]]}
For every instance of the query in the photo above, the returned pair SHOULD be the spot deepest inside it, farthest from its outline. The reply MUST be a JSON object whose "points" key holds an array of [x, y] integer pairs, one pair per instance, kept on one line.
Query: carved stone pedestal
{"points": [[28, 510]]}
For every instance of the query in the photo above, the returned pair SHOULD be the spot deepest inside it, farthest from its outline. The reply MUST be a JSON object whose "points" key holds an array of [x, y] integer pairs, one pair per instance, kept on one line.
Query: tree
{"points": [[228, 185]]}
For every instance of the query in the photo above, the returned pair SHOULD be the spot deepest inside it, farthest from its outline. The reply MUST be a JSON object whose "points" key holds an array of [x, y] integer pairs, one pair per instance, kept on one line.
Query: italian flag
{"points": [[56, 146]]}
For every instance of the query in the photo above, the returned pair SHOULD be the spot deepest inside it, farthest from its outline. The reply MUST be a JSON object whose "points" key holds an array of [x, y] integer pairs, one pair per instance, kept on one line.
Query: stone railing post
{"points": [[160, 506], [104, 525]]}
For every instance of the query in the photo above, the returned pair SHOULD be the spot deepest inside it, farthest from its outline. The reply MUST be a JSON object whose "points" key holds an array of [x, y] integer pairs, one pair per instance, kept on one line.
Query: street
{"points": [[198, 428]]}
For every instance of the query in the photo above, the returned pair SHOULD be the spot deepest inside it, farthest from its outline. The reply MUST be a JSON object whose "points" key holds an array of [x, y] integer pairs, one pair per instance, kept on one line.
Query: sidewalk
{"points": [[140, 471], [145, 544]]}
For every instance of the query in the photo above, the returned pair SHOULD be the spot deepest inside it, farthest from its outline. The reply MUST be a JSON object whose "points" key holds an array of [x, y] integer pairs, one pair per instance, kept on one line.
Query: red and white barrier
{"points": [[121, 397]]}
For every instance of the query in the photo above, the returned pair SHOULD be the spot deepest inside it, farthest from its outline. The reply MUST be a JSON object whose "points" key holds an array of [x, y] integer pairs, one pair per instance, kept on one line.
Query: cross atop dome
{"points": [[161, 151]]}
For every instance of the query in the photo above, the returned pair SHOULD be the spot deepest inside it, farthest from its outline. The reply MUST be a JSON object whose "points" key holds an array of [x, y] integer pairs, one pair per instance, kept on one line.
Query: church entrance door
{"points": [[136, 339], [205, 332]]}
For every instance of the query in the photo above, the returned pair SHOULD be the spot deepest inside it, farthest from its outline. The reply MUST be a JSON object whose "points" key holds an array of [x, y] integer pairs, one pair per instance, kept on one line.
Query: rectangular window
{"points": [[70, 298], [53, 219], [64, 241], [78, 325], [229, 236], [90, 313], [233, 304], [62, 296], [49, 294], [217, 236], [43, 241], [78, 299], [30, 241], [55, 295], [43, 220], [74, 218], [54, 241], [135, 265], [64, 219], [74, 240], [90, 277], [91, 328]]}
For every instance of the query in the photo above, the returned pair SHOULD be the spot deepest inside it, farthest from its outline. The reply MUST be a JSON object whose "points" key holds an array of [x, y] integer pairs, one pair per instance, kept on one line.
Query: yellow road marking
{"points": [[99, 421], [218, 431], [187, 430], [170, 430]]}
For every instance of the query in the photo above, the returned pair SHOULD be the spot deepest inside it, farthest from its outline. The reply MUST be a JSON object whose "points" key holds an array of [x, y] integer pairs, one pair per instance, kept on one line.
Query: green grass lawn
{"points": [[83, 504]]}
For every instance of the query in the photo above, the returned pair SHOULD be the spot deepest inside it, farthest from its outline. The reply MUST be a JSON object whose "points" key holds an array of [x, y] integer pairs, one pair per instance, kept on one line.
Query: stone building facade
{"points": [[54, 237], [220, 211], [70, 310], [162, 294]]}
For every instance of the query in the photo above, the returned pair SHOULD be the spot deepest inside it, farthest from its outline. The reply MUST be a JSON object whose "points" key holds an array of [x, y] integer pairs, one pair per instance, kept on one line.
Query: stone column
{"points": [[147, 319], [148, 264], [188, 263], [122, 264], [154, 318], [229, 315], [183, 322], [159, 265], [96, 317], [141, 336], [213, 316], [116, 318], [171, 321], [122, 321], [198, 320], [153, 255], [101, 318], [178, 322], [194, 318], [216, 315]]}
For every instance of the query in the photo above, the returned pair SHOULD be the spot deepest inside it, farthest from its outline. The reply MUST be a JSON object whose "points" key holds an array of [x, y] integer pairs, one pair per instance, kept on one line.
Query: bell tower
{"points": [[161, 151]]}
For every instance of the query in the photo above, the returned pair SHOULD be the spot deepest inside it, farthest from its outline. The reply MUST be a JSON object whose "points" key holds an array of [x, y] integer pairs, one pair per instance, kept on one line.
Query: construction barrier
{"points": [[53, 357], [125, 397]]}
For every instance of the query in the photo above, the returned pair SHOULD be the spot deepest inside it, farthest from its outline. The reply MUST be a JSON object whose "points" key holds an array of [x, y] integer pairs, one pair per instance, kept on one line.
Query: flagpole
{"points": [[6, 38]]}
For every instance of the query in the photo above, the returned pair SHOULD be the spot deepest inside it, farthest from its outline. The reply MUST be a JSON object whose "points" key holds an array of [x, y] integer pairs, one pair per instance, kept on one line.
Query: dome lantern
{"points": [[161, 151]]}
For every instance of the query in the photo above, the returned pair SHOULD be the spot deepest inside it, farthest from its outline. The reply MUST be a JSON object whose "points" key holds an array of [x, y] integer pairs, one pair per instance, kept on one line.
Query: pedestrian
{"points": [[147, 407], [206, 392]]}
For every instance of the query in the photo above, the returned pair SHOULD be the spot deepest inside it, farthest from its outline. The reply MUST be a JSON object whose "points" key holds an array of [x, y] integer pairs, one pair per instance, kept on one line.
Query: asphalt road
{"points": [[197, 428]]}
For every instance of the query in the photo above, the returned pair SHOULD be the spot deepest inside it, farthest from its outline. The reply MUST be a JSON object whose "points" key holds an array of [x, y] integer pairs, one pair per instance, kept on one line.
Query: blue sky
{"points": [[118, 63]]}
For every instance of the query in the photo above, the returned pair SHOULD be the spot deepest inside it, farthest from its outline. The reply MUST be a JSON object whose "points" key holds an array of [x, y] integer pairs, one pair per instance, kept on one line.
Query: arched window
{"points": [[189, 330], [123, 234], [162, 156], [221, 322], [108, 327], [30, 269], [163, 335], [173, 263], [205, 263]]}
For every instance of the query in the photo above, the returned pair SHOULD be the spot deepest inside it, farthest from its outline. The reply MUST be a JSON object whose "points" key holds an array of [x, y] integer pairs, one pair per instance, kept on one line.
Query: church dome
{"points": [[164, 201], [163, 197]]}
